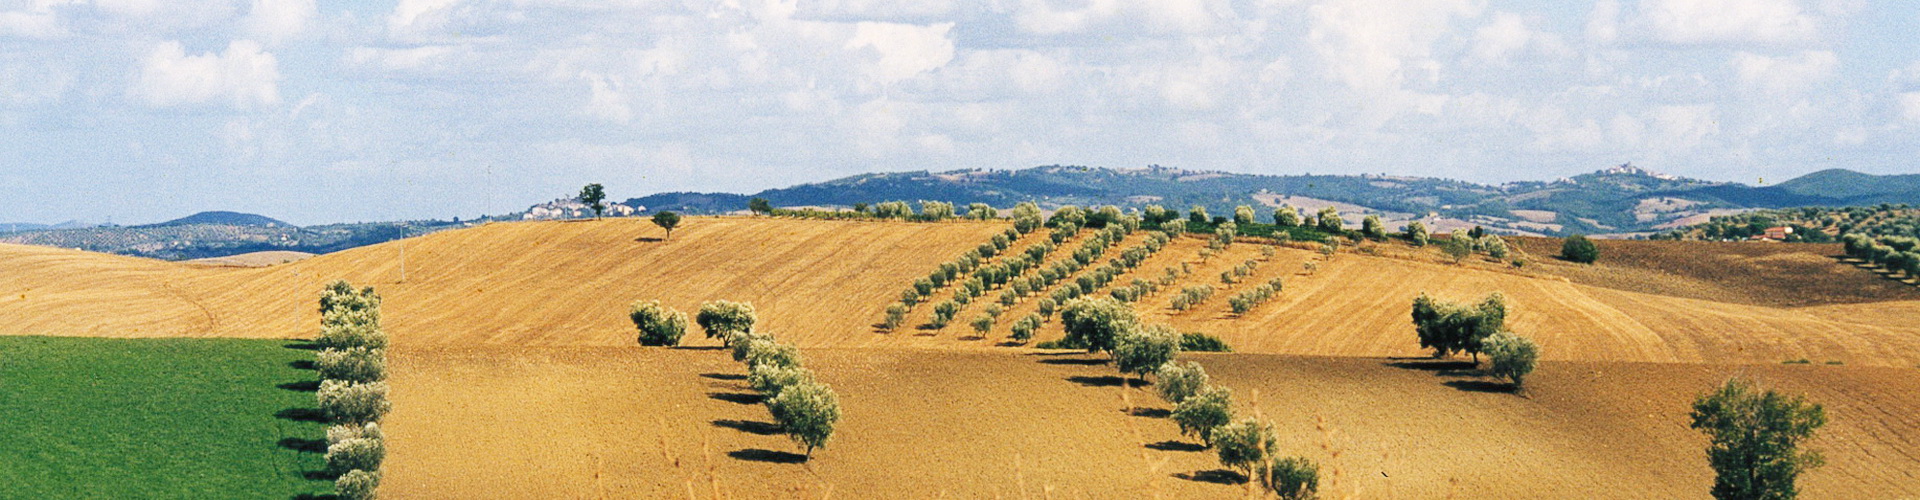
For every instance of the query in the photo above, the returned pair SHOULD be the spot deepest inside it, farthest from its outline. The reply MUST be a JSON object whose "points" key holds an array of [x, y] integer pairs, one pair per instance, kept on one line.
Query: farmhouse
{"points": [[1776, 233]]}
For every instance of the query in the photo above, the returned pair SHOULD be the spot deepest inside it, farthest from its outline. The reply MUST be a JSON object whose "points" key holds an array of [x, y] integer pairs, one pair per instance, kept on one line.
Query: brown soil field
{"points": [[501, 422], [255, 259], [1754, 273]]}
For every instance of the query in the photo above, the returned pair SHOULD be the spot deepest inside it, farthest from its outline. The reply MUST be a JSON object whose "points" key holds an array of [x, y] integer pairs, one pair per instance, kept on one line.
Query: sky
{"points": [[139, 111]]}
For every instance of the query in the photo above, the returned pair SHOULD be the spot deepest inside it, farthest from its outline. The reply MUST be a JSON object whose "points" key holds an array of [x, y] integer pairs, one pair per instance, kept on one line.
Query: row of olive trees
{"points": [[1085, 283], [1240, 272], [1191, 297], [1245, 301], [1448, 328], [1248, 445], [806, 409], [1895, 254], [352, 363], [977, 266]]}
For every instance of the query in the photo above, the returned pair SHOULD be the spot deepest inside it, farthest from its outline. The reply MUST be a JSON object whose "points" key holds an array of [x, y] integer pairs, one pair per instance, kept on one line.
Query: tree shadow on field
{"points": [[1440, 366], [313, 496], [648, 239], [1074, 361], [304, 445], [1074, 352], [1481, 386], [302, 415], [700, 347], [1171, 445], [302, 345], [301, 386], [749, 426], [303, 364], [1010, 343], [724, 376], [1215, 476], [1150, 412], [760, 455], [1106, 381], [738, 397]]}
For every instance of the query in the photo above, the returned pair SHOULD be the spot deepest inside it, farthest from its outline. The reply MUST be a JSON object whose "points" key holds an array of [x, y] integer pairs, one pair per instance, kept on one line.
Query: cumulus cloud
{"points": [[905, 50], [1508, 35], [244, 76], [1730, 21], [1910, 106], [1784, 75], [274, 21]]}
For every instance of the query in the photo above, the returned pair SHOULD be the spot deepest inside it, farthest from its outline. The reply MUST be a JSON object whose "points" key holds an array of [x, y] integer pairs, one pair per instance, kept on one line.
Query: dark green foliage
{"points": [[807, 412], [1513, 357], [896, 315], [1457, 247], [1246, 445], [1449, 328], [1179, 381], [594, 196], [1200, 342], [1097, 323], [1145, 349], [762, 206], [1205, 411], [943, 313], [1578, 248], [659, 325], [1755, 440], [1291, 478], [1024, 327], [722, 317], [667, 220]]}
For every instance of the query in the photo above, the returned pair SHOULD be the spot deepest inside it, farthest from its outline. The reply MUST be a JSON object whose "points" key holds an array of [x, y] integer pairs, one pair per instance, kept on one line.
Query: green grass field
{"points": [[157, 418]]}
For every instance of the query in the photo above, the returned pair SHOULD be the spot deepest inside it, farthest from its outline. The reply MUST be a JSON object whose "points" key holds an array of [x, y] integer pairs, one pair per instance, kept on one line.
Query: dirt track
{"points": [[585, 422]]}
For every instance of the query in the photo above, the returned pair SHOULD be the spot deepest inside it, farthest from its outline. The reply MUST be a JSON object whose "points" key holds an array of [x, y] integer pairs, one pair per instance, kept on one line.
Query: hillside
{"points": [[824, 283], [657, 423], [223, 218], [1622, 199], [221, 234]]}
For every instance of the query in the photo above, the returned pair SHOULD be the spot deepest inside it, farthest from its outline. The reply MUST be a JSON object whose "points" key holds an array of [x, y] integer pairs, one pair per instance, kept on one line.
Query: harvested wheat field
{"points": [[498, 422], [516, 376]]}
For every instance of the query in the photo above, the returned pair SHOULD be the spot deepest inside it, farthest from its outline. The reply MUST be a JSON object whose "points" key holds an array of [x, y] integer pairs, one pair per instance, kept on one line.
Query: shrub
{"points": [[354, 364], [1097, 323], [943, 313], [1448, 328], [1023, 328], [1416, 233], [1578, 248], [770, 379], [1142, 350], [1180, 381], [1246, 444], [357, 453], [1755, 439], [342, 432], [1203, 412], [896, 316], [742, 343], [722, 317], [1292, 478], [351, 333], [771, 353], [1371, 227], [357, 485], [808, 412], [1513, 356], [1200, 342], [658, 324], [353, 402]]}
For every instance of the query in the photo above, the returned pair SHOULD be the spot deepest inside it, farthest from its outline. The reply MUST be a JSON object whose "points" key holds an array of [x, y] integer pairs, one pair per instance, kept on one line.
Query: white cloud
{"points": [[244, 75], [1784, 75], [1603, 23], [1682, 128], [905, 50], [1729, 21], [36, 23], [608, 100], [409, 15], [1123, 16], [1377, 48], [1508, 35], [1910, 106], [274, 21]]}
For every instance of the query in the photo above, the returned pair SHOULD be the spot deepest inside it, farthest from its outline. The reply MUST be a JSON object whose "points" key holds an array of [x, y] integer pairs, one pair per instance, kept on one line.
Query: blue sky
{"points": [[145, 110]]}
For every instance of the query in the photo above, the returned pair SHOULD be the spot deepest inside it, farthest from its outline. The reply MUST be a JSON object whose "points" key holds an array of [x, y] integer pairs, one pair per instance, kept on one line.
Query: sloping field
{"points": [[1754, 273], [824, 283], [536, 283], [495, 422]]}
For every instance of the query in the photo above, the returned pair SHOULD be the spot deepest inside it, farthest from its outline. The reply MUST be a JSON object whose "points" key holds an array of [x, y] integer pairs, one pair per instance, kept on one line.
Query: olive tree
{"points": [[1026, 217], [769, 379], [666, 220], [1371, 227], [357, 485], [1225, 232], [1024, 327], [1457, 247], [807, 412], [936, 210], [1493, 246], [981, 211], [1180, 381], [1096, 323], [658, 325], [896, 315], [1416, 233], [1246, 445], [1142, 350], [760, 206], [1330, 221], [1198, 215], [1513, 356], [721, 318], [1449, 328], [1203, 412], [1755, 440], [353, 402], [982, 324], [353, 364], [1243, 215], [356, 454], [1286, 216], [1291, 478], [1045, 307], [943, 313], [768, 352], [1578, 248]]}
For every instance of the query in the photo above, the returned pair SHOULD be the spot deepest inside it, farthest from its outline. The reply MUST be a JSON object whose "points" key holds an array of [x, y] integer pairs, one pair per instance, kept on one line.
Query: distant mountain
{"points": [[10, 227], [1623, 199], [224, 218]]}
